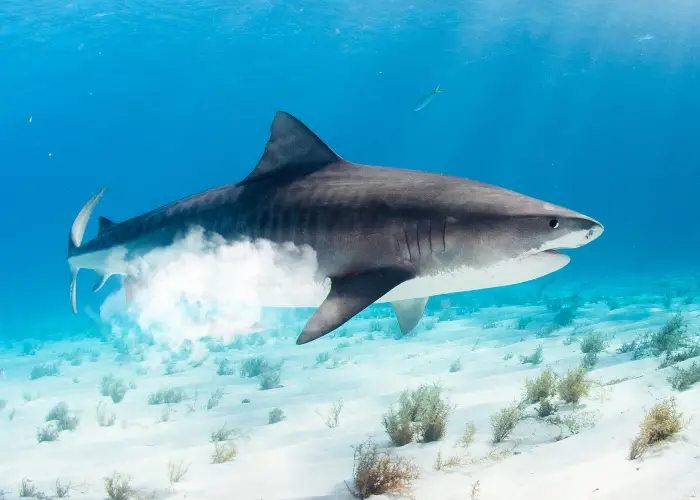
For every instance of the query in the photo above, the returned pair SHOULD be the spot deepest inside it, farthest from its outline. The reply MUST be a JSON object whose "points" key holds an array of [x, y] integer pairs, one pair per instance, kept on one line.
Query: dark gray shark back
{"points": [[302, 192], [213, 210]]}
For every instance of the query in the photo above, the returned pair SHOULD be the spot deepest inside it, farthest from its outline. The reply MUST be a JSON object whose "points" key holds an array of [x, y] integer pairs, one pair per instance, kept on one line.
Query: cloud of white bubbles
{"points": [[201, 286]]}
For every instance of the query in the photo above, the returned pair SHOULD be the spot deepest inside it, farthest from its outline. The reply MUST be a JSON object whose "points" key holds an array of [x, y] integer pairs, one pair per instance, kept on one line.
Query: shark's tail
{"points": [[437, 89], [76, 238]]}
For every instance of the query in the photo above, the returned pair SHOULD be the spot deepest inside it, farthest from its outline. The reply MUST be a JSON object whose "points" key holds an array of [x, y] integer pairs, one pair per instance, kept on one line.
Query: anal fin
{"points": [[409, 312], [349, 295]]}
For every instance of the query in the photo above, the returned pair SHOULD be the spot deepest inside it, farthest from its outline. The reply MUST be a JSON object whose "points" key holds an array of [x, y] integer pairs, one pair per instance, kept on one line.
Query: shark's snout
{"points": [[594, 231], [572, 232]]}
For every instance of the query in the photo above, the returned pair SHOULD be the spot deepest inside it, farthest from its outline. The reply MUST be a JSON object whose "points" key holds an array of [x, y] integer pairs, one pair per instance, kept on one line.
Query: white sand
{"points": [[301, 458]]}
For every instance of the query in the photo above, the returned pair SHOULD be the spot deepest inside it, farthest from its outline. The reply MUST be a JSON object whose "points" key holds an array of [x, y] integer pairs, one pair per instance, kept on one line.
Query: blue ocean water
{"points": [[590, 105], [585, 105]]}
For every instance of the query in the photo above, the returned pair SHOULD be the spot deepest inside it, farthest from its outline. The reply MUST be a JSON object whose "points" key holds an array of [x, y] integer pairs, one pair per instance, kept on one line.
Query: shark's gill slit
{"points": [[444, 230], [430, 235], [408, 245], [420, 255]]}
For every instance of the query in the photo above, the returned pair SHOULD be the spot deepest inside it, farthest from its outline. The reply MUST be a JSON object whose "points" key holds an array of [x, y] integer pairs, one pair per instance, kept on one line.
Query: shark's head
{"points": [[507, 225], [560, 228]]}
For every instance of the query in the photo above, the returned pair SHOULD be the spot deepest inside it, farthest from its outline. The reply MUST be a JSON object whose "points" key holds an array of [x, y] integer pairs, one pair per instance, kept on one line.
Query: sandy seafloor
{"points": [[301, 457]]}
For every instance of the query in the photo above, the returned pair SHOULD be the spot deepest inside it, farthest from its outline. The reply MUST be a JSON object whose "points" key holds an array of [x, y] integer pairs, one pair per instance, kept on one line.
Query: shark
{"points": [[426, 99], [380, 234]]}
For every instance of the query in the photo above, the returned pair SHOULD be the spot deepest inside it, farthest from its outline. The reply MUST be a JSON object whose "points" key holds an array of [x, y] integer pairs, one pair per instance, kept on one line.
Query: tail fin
{"points": [[81, 221], [76, 238], [437, 89]]}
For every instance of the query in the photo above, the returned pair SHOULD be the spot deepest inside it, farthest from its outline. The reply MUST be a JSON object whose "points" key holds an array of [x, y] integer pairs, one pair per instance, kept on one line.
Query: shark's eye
{"points": [[554, 223]]}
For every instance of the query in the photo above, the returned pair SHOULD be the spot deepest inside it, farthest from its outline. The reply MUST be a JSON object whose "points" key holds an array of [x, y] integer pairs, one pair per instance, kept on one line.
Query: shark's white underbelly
{"points": [[467, 279], [462, 279]]}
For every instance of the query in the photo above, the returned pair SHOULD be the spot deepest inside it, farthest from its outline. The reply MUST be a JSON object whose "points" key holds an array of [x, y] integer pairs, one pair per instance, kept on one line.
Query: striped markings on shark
{"points": [[380, 234]]}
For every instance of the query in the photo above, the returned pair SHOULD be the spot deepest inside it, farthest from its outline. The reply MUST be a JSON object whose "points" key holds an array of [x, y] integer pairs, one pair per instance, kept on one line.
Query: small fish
{"points": [[426, 100]]}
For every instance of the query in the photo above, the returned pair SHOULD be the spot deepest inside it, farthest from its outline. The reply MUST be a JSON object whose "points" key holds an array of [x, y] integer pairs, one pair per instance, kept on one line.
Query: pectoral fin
{"points": [[409, 312], [348, 296]]}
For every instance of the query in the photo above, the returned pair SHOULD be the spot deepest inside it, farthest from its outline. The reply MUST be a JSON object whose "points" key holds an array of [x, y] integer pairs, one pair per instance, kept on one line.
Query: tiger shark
{"points": [[380, 234]]}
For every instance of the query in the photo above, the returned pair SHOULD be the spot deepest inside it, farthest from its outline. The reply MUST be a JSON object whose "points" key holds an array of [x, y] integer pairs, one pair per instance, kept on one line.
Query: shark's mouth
{"points": [[576, 239]]}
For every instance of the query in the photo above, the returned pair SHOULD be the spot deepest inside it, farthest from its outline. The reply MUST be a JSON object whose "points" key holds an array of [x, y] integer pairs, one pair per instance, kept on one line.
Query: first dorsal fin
{"points": [[292, 147], [103, 223]]}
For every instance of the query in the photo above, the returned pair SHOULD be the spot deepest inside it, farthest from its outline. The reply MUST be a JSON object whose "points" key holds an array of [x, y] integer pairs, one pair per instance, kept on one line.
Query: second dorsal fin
{"points": [[103, 223], [292, 146]]}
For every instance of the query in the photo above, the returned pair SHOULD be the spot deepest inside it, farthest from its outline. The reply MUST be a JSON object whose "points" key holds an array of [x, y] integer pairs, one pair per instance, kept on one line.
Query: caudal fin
{"points": [[76, 238], [81, 221], [437, 89]]}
